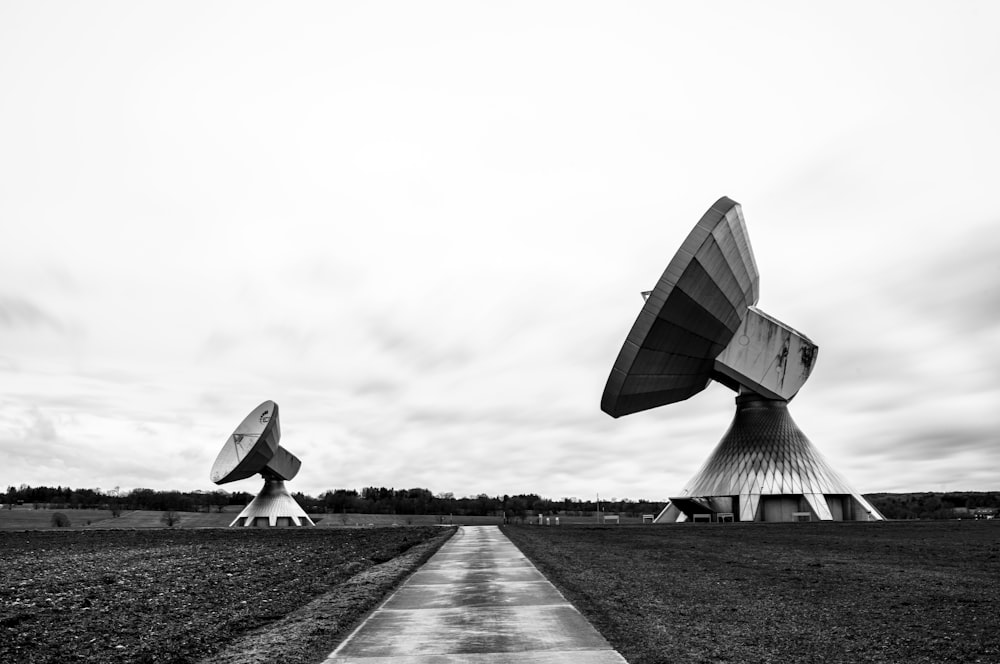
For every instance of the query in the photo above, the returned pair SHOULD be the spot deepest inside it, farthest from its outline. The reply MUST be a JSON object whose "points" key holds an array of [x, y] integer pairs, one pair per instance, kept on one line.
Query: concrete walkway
{"points": [[477, 600]]}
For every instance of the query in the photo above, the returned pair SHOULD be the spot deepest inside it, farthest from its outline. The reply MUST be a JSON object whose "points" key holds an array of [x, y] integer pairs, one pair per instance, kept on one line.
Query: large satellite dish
{"points": [[700, 323], [251, 449]]}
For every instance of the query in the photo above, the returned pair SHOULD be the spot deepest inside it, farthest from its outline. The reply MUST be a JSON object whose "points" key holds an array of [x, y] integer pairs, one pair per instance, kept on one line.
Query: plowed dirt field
{"points": [[120, 596]]}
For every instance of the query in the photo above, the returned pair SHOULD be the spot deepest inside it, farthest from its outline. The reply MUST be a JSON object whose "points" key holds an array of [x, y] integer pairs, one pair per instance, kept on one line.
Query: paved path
{"points": [[477, 600]]}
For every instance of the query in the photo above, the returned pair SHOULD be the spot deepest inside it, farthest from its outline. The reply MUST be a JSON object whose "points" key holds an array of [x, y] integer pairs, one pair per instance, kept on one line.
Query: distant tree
{"points": [[170, 518], [220, 499], [240, 498], [308, 503], [115, 502], [540, 506], [340, 501], [930, 507], [60, 520], [518, 507]]}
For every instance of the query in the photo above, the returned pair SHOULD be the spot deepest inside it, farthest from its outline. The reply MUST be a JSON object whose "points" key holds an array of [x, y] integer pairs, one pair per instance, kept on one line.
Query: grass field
{"points": [[225, 596], [752, 593], [26, 518]]}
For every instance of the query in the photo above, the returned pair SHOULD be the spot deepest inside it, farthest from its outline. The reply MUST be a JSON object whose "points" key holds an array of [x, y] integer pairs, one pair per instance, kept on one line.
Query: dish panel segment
{"points": [[689, 318], [250, 447]]}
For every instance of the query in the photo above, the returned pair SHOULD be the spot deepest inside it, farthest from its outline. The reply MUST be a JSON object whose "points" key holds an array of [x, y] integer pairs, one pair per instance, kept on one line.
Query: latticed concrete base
{"points": [[765, 469], [273, 507]]}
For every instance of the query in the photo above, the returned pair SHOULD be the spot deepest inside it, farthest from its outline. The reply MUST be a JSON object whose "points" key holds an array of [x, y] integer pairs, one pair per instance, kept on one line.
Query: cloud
{"points": [[947, 442], [961, 284], [20, 313], [431, 262]]}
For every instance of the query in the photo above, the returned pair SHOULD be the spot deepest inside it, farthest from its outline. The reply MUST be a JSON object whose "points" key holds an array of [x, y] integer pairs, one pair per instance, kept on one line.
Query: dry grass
{"points": [[754, 593], [26, 518]]}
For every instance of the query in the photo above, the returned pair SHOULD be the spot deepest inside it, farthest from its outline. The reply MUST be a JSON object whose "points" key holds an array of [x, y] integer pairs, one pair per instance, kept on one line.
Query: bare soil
{"points": [[179, 596], [754, 593]]}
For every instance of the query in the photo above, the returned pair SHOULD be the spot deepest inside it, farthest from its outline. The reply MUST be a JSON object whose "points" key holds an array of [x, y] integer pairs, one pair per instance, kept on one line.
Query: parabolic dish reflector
{"points": [[250, 447], [689, 317]]}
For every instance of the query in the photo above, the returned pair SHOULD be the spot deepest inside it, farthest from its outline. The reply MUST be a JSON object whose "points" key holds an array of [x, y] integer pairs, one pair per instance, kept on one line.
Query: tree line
{"points": [[369, 500], [385, 500], [930, 505], [60, 497]]}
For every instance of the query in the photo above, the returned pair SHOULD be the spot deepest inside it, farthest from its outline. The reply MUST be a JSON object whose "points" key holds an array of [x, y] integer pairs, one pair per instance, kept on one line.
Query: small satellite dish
{"points": [[700, 323], [251, 449]]}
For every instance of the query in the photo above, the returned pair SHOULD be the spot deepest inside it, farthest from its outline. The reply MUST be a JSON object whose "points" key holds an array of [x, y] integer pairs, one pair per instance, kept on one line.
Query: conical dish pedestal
{"points": [[273, 507], [766, 469]]}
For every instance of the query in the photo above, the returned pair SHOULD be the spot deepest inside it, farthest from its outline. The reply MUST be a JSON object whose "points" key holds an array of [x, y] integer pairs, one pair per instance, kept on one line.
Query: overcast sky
{"points": [[423, 230]]}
